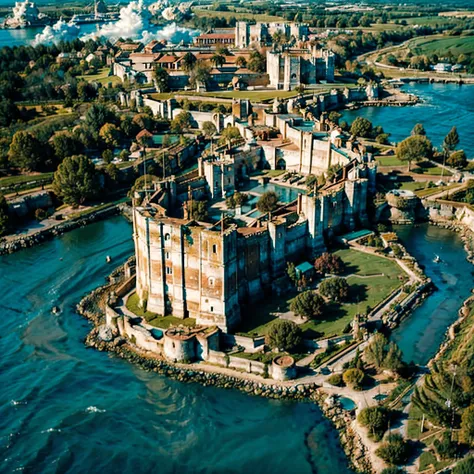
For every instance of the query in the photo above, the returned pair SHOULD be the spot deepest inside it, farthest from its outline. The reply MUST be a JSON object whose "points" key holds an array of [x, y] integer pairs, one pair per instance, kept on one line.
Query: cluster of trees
{"points": [[329, 263], [236, 200], [376, 420], [383, 354], [394, 450], [362, 127], [268, 201]]}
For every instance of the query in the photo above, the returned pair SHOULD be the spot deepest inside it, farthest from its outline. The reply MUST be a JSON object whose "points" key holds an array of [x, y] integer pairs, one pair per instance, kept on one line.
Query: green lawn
{"points": [[238, 15], [426, 167], [440, 44], [23, 179], [102, 77], [425, 192], [428, 461], [252, 95], [390, 161], [364, 292], [154, 319]]}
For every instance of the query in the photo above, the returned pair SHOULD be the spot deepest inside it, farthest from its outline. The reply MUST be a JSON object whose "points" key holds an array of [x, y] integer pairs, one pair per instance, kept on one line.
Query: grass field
{"points": [[441, 44], [23, 179], [155, 320], [102, 77], [238, 15], [426, 167], [365, 292], [390, 161]]}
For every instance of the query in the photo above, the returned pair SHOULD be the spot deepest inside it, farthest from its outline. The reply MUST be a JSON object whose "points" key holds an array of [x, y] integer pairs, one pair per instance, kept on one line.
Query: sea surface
{"points": [[420, 335], [66, 408], [443, 106]]}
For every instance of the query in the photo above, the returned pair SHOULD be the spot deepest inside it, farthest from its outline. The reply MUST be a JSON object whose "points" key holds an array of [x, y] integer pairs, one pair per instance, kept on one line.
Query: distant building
{"points": [[290, 68], [442, 67], [263, 33], [215, 39]]}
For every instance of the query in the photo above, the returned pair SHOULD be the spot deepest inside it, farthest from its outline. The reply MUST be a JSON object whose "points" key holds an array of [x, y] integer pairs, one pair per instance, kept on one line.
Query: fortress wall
{"points": [[217, 357], [141, 337], [248, 343], [240, 364]]}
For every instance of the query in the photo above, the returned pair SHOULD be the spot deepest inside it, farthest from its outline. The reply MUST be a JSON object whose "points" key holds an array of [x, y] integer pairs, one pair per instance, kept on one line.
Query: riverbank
{"points": [[16, 243]]}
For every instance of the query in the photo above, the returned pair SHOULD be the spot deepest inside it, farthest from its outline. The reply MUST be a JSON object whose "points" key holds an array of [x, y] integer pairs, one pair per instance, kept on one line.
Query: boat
{"points": [[436, 259], [55, 310], [108, 259]]}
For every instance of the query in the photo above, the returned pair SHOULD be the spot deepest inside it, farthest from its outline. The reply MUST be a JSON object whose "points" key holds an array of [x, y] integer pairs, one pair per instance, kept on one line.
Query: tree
{"points": [[284, 335], [25, 151], [418, 129], [209, 129], [446, 448], [188, 62], [308, 304], [98, 115], [451, 141], [65, 144], [395, 450], [336, 288], [200, 74], [375, 352], [75, 180], [4, 217], [111, 176], [466, 466], [161, 77], [329, 263], [181, 122], [241, 61], [197, 210], [334, 116], [291, 272], [361, 127], [375, 419], [467, 426], [457, 159], [108, 156], [393, 358], [144, 121], [415, 149], [257, 62], [353, 377], [336, 380], [110, 134], [228, 135], [218, 60], [268, 202]]}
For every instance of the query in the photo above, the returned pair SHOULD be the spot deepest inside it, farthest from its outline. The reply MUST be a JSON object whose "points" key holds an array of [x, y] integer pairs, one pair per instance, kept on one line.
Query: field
{"points": [[102, 77], [371, 278], [238, 15], [440, 45], [24, 179]]}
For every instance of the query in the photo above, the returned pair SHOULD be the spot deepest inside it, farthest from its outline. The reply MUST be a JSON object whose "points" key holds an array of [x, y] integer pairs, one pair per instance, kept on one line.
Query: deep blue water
{"points": [[443, 106], [421, 334], [65, 408]]}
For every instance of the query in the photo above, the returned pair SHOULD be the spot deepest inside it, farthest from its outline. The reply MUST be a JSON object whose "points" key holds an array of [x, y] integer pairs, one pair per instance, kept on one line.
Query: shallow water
{"points": [[421, 334], [443, 106], [65, 408]]}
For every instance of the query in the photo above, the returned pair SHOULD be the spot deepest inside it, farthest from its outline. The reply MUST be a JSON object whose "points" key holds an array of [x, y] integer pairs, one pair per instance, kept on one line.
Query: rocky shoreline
{"points": [[23, 242], [102, 339]]}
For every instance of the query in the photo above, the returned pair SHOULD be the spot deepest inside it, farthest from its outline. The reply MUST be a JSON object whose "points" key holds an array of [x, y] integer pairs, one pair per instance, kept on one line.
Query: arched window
{"points": [[167, 236], [214, 248]]}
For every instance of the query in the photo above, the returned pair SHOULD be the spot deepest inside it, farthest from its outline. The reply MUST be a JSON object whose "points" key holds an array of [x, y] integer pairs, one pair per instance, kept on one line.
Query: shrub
{"points": [[445, 448], [375, 419], [353, 377], [336, 289], [40, 214], [395, 450], [336, 380], [284, 335], [308, 304], [268, 202]]}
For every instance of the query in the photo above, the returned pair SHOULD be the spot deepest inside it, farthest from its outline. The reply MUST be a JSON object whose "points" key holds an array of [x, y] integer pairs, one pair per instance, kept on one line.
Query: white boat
{"points": [[108, 259], [55, 310], [436, 259]]}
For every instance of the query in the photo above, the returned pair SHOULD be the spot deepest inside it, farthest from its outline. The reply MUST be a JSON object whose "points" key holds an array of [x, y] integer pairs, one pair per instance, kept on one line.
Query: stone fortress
{"points": [[207, 271]]}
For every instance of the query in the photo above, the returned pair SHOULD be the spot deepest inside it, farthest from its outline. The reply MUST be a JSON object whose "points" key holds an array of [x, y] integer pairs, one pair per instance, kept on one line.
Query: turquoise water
{"points": [[286, 193], [347, 404], [420, 335], [65, 408], [444, 105]]}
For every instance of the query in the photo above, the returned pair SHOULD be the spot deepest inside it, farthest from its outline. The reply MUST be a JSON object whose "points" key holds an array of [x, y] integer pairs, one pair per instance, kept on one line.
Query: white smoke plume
{"points": [[59, 31], [134, 18]]}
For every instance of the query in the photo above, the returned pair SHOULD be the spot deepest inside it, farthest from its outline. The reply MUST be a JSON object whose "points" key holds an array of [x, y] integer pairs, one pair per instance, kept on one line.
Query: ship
{"points": [[100, 15]]}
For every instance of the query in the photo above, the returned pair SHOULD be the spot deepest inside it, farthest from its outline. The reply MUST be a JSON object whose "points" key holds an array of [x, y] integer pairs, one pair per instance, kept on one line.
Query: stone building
{"points": [[207, 271], [261, 34], [291, 68]]}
